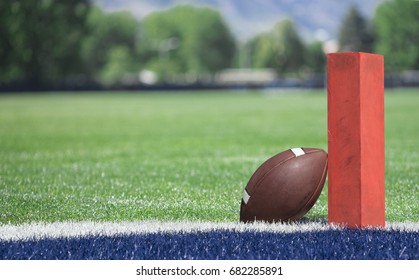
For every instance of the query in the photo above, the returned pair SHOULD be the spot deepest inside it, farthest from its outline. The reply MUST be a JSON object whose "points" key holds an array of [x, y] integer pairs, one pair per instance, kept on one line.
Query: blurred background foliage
{"points": [[51, 42], [40, 40], [188, 40]]}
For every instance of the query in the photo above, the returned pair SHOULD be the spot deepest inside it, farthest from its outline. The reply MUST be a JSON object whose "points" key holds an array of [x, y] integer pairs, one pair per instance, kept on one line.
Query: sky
{"points": [[315, 19]]}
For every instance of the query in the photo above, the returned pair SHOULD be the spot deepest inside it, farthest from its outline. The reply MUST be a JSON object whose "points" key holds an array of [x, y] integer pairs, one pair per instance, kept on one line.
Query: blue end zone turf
{"points": [[226, 244]]}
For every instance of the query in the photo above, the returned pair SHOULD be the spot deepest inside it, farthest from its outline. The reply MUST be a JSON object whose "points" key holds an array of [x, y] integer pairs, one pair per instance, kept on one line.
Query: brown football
{"points": [[285, 187]]}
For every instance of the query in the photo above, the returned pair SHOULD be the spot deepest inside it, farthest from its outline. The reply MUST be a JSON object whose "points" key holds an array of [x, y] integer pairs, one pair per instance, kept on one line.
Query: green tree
{"points": [[40, 40], [109, 48], [281, 49], [397, 25], [118, 66], [291, 50], [187, 39], [261, 49], [355, 33], [315, 57]]}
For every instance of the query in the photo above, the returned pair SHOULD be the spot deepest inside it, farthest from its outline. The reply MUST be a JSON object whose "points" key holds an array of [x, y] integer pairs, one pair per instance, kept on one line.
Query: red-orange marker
{"points": [[356, 139]]}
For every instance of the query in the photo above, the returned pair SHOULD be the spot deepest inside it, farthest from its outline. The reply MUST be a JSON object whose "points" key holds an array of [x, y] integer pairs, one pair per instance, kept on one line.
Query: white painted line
{"points": [[298, 152], [87, 228]]}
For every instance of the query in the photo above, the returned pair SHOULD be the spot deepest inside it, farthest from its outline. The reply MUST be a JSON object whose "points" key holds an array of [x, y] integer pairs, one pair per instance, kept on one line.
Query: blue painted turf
{"points": [[227, 244]]}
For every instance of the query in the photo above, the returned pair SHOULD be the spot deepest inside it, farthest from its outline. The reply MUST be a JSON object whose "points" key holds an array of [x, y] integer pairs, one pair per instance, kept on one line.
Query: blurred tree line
{"points": [[40, 40], [56, 42]]}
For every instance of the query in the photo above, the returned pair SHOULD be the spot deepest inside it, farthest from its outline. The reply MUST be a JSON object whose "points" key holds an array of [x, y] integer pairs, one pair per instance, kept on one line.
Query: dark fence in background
{"points": [[403, 79]]}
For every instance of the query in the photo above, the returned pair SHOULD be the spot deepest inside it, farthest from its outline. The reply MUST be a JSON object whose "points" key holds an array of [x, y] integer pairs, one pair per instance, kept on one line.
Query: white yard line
{"points": [[88, 228]]}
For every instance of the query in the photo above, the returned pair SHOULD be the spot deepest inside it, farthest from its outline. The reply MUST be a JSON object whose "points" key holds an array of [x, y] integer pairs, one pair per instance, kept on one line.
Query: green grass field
{"points": [[173, 156]]}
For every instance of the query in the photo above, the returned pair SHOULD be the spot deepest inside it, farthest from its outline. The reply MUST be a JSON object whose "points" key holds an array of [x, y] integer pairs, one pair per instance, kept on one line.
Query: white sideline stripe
{"points": [[36, 231], [246, 196], [298, 152]]}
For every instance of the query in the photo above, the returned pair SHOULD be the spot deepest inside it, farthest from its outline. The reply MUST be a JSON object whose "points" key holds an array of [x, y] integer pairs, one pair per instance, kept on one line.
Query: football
{"points": [[285, 187]]}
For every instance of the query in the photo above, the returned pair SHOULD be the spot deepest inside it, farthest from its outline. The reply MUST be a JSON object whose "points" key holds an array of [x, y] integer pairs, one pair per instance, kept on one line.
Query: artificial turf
{"points": [[331, 244], [173, 156]]}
